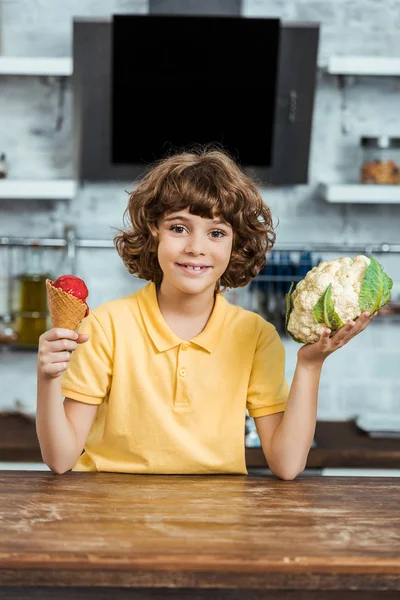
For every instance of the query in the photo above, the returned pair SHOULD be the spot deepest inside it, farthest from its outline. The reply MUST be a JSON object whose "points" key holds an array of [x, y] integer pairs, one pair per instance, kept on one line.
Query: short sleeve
{"points": [[88, 377], [268, 389]]}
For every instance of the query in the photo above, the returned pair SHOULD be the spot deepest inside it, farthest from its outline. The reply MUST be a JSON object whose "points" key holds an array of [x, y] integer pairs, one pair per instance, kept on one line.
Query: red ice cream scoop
{"points": [[72, 285]]}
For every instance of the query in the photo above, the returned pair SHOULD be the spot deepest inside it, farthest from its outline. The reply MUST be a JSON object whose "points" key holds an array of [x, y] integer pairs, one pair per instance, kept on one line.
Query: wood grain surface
{"points": [[109, 530]]}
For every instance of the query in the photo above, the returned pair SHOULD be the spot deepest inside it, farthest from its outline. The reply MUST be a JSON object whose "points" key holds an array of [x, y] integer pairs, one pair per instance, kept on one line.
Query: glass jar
{"points": [[381, 160], [32, 313]]}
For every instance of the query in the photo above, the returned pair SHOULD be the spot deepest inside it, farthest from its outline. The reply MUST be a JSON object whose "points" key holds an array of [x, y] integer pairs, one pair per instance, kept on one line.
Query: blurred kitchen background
{"points": [[316, 121]]}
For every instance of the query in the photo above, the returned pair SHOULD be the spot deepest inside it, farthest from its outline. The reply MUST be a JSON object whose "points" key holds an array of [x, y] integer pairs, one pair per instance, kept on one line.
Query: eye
{"points": [[218, 231], [178, 228]]}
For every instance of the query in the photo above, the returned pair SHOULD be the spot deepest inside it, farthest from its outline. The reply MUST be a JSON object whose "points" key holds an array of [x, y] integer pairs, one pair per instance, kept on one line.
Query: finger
{"points": [[58, 357], [348, 331], [363, 320], [54, 369], [342, 333], [83, 337], [57, 333], [325, 337], [61, 345], [371, 318]]}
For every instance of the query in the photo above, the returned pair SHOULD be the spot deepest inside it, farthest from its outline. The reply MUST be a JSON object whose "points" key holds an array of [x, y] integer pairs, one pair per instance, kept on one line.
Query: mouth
{"points": [[194, 269]]}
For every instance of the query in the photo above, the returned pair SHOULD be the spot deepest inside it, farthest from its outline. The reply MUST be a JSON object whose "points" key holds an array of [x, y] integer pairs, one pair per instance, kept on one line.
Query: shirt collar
{"points": [[162, 335]]}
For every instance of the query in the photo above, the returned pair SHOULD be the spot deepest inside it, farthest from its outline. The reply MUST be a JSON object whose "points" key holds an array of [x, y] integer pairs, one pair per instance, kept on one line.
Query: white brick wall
{"points": [[363, 376]]}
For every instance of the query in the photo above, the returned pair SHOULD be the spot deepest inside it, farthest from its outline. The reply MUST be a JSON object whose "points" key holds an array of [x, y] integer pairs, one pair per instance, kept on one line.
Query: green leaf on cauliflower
{"points": [[375, 287], [324, 311]]}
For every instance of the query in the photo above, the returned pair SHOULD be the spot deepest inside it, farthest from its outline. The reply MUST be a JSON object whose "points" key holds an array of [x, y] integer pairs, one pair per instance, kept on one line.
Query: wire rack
{"points": [[288, 262]]}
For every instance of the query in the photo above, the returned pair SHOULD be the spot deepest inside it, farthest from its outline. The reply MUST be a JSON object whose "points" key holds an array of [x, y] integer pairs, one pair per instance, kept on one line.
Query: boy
{"points": [[162, 379]]}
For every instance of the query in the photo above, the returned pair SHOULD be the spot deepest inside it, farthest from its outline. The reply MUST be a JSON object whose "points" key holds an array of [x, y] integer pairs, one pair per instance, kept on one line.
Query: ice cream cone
{"points": [[66, 311]]}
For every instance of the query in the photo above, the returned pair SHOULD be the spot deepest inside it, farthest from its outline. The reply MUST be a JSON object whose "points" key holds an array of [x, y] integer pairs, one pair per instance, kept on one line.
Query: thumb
{"points": [[82, 338]]}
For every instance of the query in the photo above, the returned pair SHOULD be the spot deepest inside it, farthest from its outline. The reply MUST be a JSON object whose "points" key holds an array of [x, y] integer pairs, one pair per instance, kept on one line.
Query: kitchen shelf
{"points": [[36, 66], [362, 65], [335, 65], [52, 189], [361, 193]]}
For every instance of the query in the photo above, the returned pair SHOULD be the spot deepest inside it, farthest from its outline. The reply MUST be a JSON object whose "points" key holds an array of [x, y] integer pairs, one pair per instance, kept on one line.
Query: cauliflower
{"points": [[334, 293]]}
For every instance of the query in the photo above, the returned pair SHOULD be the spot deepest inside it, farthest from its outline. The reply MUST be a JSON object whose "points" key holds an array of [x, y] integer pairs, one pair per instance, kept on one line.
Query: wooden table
{"points": [[106, 535]]}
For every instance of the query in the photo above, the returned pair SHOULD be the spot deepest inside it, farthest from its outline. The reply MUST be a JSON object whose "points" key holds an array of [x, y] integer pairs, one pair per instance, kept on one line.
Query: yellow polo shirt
{"points": [[170, 406]]}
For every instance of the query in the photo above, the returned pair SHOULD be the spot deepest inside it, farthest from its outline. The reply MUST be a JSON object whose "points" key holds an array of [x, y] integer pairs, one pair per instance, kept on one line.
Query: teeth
{"points": [[194, 268]]}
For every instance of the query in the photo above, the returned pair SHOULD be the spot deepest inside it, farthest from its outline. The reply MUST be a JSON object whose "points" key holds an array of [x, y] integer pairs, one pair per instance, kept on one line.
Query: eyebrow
{"points": [[187, 219]]}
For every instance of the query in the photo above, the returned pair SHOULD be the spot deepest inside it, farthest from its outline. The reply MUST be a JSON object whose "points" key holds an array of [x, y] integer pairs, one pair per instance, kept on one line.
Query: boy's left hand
{"points": [[315, 354]]}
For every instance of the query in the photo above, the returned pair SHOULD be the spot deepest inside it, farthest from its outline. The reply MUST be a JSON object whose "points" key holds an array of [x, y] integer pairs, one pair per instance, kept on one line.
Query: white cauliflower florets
{"points": [[346, 276]]}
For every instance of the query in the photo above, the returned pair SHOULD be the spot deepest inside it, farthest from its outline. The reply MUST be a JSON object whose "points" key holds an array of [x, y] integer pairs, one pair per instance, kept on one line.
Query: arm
{"points": [[287, 447], [61, 426], [287, 439]]}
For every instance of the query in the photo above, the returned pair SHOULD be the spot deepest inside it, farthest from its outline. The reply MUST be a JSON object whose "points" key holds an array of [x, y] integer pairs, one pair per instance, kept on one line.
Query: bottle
{"points": [[33, 310]]}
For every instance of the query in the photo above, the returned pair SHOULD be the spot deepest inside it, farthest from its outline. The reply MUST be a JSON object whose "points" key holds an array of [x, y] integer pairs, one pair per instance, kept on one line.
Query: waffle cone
{"points": [[66, 311]]}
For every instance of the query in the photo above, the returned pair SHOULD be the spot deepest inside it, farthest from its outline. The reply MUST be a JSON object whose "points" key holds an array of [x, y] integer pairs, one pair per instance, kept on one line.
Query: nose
{"points": [[195, 244]]}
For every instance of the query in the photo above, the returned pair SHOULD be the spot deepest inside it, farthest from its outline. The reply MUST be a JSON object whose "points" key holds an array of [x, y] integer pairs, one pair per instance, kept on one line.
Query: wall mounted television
{"points": [[182, 80], [146, 85]]}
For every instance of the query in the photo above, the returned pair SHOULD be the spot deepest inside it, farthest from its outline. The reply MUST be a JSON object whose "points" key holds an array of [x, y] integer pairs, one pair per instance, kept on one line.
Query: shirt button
{"points": [[182, 372], [184, 346]]}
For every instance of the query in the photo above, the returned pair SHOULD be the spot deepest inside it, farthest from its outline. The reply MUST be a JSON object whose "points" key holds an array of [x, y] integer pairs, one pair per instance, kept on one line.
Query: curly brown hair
{"points": [[209, 182]]}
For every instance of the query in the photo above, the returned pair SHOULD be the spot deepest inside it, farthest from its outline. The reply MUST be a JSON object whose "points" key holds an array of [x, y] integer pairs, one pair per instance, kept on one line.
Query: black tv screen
{"points": [[184, 80]]}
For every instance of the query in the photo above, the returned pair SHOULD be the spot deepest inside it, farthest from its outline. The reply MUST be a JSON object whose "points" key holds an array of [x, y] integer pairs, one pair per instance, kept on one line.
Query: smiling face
{"points": [[193, 252]]}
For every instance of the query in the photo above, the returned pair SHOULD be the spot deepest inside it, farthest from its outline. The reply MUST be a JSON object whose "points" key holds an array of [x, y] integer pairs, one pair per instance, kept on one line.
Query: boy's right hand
{"points": [[55, 346]]}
